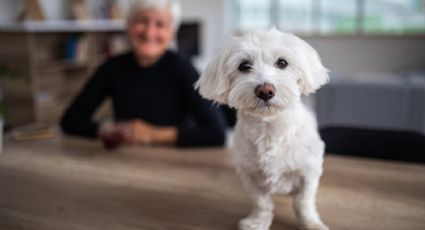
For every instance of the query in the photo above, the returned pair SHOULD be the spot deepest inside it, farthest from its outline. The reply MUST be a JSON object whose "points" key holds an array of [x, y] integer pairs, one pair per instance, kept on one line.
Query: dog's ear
{"points": [[213, 83], [314, 73]]}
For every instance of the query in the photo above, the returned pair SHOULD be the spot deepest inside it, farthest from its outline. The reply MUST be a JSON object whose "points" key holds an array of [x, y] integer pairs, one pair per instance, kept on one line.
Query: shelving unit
{"points": [[46, 81]]}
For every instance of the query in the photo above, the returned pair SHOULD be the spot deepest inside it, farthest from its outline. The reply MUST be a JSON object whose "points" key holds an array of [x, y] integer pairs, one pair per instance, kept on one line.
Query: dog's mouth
{"points": [[271, 104], [267, 104], [265, 108]]}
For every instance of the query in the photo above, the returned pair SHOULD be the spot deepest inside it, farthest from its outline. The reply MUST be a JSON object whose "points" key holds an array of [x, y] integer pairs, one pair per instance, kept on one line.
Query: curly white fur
{"points": [[276, 145]]}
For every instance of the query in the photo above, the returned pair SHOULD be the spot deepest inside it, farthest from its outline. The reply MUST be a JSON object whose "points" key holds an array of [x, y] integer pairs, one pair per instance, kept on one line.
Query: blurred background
{"points": [[373, 106]]}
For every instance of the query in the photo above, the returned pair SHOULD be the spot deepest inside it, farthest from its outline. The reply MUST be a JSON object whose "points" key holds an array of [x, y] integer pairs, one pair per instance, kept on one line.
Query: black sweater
{"points": [[161, 94]]}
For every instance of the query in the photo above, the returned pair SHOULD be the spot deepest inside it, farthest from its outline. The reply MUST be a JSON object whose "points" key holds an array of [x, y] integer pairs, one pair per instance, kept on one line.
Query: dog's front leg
{"points": [[262, 213], [305, 205]]}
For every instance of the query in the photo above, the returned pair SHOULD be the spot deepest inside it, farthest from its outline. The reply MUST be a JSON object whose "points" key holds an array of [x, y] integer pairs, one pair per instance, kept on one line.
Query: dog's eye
{"points": [[245, 66], [281, 63]]}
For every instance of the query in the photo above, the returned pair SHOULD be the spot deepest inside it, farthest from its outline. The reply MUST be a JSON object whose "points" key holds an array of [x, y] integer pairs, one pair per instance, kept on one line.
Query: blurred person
{"points": [[151, 89]]}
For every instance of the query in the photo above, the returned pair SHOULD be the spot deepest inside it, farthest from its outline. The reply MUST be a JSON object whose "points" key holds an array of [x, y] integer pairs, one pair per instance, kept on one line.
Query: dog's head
{"points": [[262, 73]]}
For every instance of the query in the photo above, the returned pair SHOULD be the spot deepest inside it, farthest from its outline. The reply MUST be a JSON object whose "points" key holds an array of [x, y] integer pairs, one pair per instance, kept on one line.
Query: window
{"points": [[338, 17], [254, 14], [334, 16], [393, 16], [295, 15]]}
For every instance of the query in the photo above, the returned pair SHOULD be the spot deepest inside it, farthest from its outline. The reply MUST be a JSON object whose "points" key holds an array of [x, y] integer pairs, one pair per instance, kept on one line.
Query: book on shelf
{"points": [[31, 10], [77, 49], [108, 10], [111, 10], [115, 11], [80, 10], [82, 54]]}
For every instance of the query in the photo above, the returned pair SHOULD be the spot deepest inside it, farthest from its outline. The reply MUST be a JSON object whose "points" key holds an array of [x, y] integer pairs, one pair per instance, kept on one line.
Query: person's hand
{"points": [[137, 132]]}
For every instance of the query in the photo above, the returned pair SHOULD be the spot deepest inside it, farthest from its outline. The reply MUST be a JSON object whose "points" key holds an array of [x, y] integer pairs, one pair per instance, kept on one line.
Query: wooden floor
{"points": [[75, 184]]}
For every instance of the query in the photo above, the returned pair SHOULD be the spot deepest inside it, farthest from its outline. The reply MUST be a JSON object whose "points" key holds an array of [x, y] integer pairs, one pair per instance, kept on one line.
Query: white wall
{"points": [[8, 10], [357, 54], [211, 16]]}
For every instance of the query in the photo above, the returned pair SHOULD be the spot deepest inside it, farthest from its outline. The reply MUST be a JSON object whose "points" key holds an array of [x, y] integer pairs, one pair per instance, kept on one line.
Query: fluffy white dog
{"points": [[276, 144]]}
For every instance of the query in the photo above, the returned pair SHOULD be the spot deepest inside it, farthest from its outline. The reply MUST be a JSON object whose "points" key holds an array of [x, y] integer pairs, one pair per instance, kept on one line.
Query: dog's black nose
{"points": [[265, 91]]}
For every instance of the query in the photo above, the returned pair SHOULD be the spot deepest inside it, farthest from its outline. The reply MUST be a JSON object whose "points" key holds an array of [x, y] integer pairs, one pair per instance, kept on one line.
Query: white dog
{"points": [[276, 144]]}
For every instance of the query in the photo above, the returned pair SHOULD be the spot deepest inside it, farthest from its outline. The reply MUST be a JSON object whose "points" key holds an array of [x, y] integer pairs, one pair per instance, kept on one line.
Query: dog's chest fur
{"points": [[270, 162]]}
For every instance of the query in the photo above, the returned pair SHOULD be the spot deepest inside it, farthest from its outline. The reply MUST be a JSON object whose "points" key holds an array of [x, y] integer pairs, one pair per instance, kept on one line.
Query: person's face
{"points": [[151, 33]]}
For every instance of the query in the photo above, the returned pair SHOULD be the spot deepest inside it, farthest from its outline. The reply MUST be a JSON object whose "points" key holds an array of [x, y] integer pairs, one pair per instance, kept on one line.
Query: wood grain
{"points": [[66, 183]]}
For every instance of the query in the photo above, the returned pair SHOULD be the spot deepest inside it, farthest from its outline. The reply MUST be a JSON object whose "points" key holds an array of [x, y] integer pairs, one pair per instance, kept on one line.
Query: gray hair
{"points": [[172, 5]]}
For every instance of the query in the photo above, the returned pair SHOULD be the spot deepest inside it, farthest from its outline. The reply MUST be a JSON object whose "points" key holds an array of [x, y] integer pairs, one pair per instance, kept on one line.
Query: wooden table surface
{"points": [[75, 184]]}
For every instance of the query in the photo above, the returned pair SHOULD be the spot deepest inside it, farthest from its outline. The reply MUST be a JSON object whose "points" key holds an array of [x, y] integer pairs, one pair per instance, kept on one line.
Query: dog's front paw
{"points": [[256, 223], [313, 225]]}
